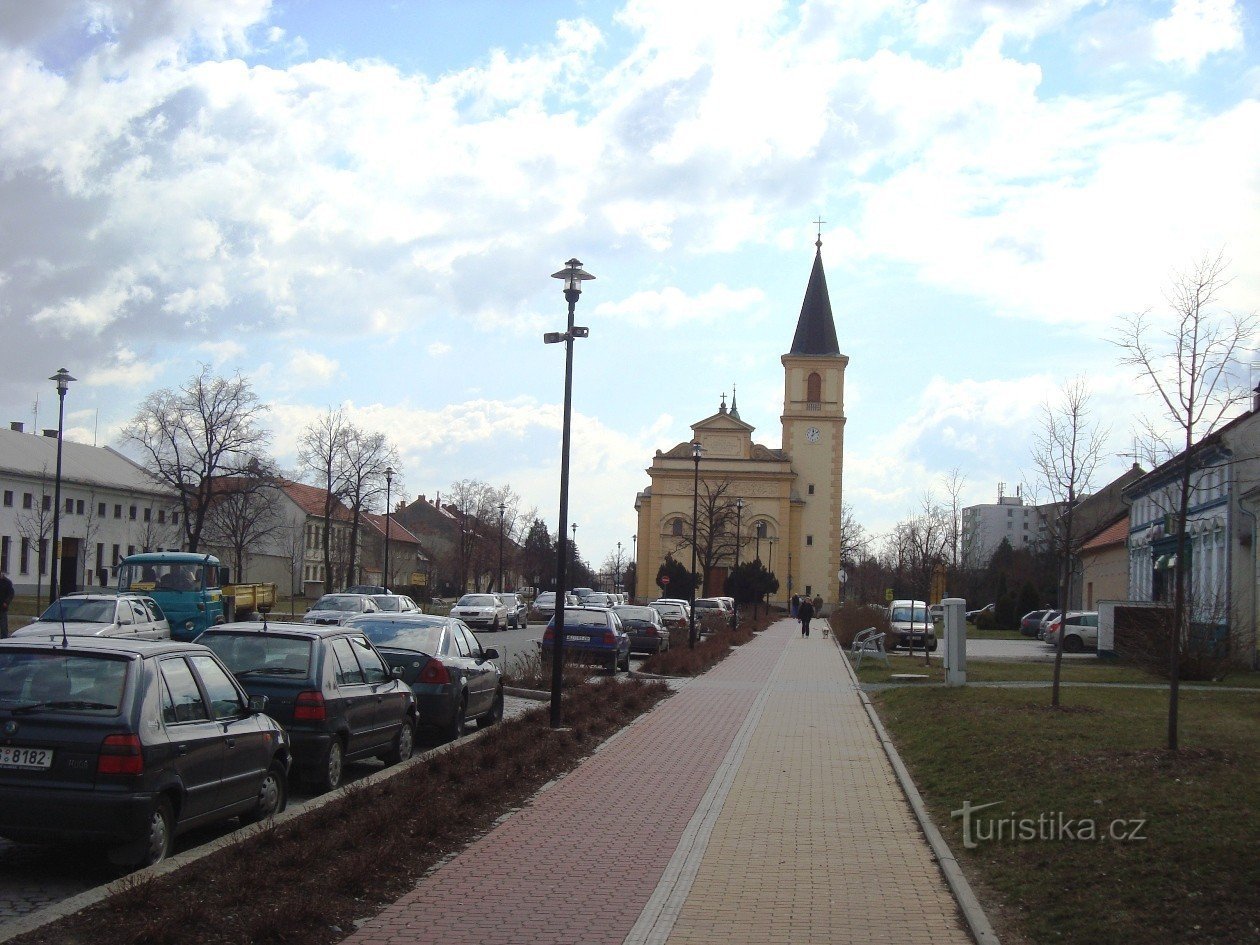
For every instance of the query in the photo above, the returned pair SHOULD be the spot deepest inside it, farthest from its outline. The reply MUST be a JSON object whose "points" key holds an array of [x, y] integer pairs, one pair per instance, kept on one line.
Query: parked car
{"points": [[443, 662], [481, 612], [643, 624], [911, 624], [1031, 622], [598, 599], [591, 634], [369, 589], [335, 609], [395, 604], [544, 604], [674, 616], [517, 611], [1080, 631], [581, 592], [129, 616], [1049, 618], [125, 744], [973, 614], [330, 689]]}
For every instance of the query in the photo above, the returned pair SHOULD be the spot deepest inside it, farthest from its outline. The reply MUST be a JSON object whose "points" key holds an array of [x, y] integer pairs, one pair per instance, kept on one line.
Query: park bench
{"points": [[869, 641]]}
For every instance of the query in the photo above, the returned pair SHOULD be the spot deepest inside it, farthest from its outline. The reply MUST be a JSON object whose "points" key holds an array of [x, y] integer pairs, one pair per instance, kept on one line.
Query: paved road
{"points": [[1029, 650]]}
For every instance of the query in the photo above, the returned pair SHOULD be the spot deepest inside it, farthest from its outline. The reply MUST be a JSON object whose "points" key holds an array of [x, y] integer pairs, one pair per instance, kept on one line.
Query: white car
{"points": [[336, 609], [396, 604], [1080, 634], [481, 611], [132, 616]]}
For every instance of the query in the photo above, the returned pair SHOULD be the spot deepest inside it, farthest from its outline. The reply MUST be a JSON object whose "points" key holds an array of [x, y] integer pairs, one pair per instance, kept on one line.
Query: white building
{"points": [[984, 527], [110, 508]]}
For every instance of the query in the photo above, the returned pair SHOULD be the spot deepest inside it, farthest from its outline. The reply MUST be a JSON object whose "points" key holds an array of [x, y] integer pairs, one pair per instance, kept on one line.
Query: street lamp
{"points": [[573, 276], [770, 567], [63, 379], [634, 555], [502, 509], [389, 482], [617, 562], [739, 518], [696, 452]]}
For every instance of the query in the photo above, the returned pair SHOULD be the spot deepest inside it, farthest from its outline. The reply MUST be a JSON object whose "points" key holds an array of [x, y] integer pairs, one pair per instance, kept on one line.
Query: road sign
{"points": [[888, 595], [664, 578]]}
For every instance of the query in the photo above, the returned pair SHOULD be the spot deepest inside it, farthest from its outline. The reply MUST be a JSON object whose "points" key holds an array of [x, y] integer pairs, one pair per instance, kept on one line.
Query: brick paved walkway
{"points": [[752, 806]]}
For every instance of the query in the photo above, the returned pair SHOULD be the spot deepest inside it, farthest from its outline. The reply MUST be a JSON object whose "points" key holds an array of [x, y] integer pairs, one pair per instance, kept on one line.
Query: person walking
{"points": [[6, 598], [806, 612], [795, 605]]}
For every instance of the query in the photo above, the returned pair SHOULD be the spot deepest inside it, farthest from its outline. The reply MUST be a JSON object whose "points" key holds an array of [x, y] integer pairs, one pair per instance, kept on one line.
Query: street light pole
{"points": [[502, 509], [739, 519], [634, 555], [389, 482], [63, 379], [695, 515], [617, 580], [770, 540], [573, 277]]}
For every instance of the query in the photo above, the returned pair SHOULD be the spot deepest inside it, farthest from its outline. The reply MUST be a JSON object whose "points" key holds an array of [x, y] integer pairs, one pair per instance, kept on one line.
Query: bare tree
{"points": [[954, 484], [321, 454], [472, 500], [365, 459], [615, 564], [715, 538], [295, 552], [245, 513], [1066, 452], [35, 525], [1192, 369], [188, 436], [855, 542]]}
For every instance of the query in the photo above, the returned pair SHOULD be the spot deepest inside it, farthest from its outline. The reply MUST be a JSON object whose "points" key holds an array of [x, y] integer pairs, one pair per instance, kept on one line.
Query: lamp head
{"points": [[389, 474], [739, 504], [63, 379], [573, 276], [696, 450]]}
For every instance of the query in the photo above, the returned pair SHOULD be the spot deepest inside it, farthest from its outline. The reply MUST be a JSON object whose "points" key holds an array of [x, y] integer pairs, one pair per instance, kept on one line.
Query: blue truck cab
{"points": [[187, 586]]}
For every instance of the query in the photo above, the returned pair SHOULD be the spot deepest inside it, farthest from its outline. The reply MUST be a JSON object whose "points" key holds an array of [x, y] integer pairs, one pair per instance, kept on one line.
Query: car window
{"points": [[122, 614], [225, 701], [155, 612], [258, 654], [461, 642], [349, 673], [142, 615], [78, 610], [374, 670], [186, 703], [89, 684], [412, 635], [470, 638]]}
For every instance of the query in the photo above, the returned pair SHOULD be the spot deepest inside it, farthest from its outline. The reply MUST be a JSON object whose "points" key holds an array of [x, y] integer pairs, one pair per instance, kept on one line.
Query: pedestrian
{"points": [[6, 598], [795, 605], [806, 612]]}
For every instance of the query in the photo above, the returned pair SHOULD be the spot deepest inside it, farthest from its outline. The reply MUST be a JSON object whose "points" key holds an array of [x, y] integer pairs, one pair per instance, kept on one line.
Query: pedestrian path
{"points": [[755, 805]]}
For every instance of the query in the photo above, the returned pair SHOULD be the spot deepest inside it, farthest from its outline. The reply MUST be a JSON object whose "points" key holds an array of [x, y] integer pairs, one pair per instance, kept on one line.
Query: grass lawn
{"points": [[1080, 671], [1194, 875]]}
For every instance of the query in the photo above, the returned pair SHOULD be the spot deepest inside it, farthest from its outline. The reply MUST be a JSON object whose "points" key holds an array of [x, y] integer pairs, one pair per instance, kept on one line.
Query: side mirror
{"points": [[490, 654], [257, 704], [397, 672]]}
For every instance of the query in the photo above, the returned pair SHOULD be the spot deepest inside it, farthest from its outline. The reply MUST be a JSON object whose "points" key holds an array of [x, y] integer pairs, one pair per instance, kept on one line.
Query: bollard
{"points": [[955, 641]]}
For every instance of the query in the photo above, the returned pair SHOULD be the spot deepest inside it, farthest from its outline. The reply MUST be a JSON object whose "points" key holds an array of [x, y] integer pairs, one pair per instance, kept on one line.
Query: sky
{"points": [[360, 205]]}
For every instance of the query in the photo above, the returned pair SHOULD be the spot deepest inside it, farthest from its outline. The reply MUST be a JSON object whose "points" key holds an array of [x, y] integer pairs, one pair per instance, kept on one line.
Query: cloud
{"points": [[1197, 28], [670, 307], [222, 352], [438, 349], [310, 369]]}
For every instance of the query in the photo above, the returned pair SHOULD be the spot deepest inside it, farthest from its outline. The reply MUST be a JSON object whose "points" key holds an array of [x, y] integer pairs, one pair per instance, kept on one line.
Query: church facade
{"points": [[789, 498]]}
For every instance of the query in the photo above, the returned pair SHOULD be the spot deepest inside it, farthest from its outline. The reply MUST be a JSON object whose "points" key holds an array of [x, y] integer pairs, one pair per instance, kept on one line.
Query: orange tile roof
{"points": [[311, 500], [1114, 534], [397, 531]]}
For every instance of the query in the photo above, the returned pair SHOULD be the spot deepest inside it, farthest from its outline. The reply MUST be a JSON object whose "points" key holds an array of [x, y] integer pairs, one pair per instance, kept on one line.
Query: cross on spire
{"points": [[819, 222]]}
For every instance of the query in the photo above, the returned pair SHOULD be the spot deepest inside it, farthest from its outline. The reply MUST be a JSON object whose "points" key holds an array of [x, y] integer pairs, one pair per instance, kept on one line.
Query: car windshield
{"points": [[585, 619], [388, 602], [477, 600], [667, 608], [635, 613], [343, 602], [903, 615], [509, 599], [260, 654], [422, 636], [70, 682], [546, 597], [78, 610]]}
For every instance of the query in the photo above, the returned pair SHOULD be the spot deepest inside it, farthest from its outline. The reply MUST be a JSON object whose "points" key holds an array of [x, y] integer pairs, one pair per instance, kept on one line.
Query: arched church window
{"points": [[676, 527], [761, 530], [813, 388]]}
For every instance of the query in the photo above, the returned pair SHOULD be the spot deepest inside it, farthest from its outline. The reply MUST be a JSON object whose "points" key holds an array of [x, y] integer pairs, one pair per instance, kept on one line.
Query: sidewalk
{"points": [[756, 805]]}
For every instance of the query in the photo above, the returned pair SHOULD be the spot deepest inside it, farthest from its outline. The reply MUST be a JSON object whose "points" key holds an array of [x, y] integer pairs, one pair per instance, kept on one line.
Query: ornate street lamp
{"points": [[634, 555], [739, 518], [502, 509], [617, 562], [573, 276], [389, 482], [696, 452], [62, 379]]}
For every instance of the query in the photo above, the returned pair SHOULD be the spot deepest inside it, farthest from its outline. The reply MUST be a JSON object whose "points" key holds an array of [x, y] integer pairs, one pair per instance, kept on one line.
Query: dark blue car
{"points": [[591, 635]]}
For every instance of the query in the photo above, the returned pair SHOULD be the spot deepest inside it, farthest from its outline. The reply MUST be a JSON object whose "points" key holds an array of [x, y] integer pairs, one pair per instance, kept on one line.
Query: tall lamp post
{"points": [[573, 276], [389, 482], [770, 540], [634, 556], [739, 519], [617, 580], [502, 509], [696, 452], [62, 379]]}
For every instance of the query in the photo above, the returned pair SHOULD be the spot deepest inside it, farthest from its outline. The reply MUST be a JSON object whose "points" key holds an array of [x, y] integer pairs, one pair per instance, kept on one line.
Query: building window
{"points": [[174, 518], [813, 388], [4, 554], [69, 506], [761, 530], [147, 513], [809, 539], [100, 557], [117, 555], [8, 498], [811, 488], [131, 513], [78, 507], [47, 503], [28, 500], [117, 511], [161, 516], [41, 559], [676, 527], [809, 590], [131, 550], [24, 556]]}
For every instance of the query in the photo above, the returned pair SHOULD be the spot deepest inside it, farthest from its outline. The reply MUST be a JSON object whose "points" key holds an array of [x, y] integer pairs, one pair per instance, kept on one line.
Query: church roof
{"points": [[816, 328]]}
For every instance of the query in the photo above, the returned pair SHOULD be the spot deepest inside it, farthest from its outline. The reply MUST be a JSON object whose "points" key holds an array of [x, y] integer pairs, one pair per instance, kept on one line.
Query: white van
{"points": [[912, 624]]}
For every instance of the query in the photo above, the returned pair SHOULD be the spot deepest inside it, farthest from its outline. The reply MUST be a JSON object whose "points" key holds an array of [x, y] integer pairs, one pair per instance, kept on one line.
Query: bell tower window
{"points": [[813, 389]]}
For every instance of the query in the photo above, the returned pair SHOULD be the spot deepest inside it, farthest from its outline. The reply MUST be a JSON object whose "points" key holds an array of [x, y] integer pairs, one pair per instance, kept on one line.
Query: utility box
{"points": [[955, 641]]}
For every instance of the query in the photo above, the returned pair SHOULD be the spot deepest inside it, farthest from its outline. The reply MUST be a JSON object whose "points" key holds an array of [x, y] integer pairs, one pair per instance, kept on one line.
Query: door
{"points": [[391, 697], [246, 748], [479, 671], [358, 702], [196, 739], [68, 582]]}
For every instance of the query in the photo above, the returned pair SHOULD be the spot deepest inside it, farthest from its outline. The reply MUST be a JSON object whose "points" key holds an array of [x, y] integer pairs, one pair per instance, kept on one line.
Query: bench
{"points": [[869, 641]]}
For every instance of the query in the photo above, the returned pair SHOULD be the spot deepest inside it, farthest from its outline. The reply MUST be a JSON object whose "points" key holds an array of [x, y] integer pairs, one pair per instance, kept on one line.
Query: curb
{"points": [[977, 921]]}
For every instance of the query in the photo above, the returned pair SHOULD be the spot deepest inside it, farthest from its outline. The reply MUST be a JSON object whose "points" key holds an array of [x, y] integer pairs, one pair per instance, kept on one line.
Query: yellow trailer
{"points": [[249, 599]]}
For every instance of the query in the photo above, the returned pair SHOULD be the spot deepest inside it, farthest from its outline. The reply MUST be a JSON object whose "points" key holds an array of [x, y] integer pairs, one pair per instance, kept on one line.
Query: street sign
{"points": [[664, 578], [888, 595]]}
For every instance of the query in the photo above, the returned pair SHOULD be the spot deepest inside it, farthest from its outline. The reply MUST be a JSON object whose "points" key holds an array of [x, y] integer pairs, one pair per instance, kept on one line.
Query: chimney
{"points": [[51, 433], [17, 426]]}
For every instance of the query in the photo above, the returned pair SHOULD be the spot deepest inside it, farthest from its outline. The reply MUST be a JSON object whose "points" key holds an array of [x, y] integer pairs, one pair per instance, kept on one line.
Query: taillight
{"points": [[651, 631], [309, 707], [120, 754], [610, 638], [435, 672], [549, 634]]}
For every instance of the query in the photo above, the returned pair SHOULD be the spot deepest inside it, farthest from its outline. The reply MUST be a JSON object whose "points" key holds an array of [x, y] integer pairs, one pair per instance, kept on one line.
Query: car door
{"points": [[197, 740], [359, 704], [246, 747], [391, 697], [479, 671], [124, 621]]}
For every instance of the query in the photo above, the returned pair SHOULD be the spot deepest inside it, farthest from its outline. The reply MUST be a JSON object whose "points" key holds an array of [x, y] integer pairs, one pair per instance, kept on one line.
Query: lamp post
{"points": [[389, 482], [573, 528], [502, 509], [573, 277], [739, 518], [695, 515], [770, 540], [62, 379], [634, 555], [617, 580]]}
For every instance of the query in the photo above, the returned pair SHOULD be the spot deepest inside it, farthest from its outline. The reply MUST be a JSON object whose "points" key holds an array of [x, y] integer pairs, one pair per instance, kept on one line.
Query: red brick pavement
{"points": [[578, 863]]}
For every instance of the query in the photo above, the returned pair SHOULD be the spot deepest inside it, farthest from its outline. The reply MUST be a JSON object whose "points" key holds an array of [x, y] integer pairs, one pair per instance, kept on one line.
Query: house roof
{"points": [[33, 455], [1117, 533], [397, 530], [1171, 467], [310, 499], [816, 328]]}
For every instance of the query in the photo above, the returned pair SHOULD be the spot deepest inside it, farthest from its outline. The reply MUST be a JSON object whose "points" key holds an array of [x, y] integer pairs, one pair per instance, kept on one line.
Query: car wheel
{"points": [[495, 715], [160, 835], [273, 796], [625, 664], [494, 627], [932, 645], [456, 728], [1073, 644], [404, 743], [525, 622], [612, 665], [328, 777]]}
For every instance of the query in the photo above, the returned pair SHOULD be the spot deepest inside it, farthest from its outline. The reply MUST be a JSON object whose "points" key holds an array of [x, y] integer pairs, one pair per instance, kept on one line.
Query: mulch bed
{"points": [[307, 880]]}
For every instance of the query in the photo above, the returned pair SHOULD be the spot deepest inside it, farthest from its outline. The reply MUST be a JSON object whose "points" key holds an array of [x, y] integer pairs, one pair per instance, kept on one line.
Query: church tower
{"points": [[813, 436]]}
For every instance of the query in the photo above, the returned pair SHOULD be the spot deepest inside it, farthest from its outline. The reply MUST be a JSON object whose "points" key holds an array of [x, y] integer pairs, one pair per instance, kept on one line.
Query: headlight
{"points": [[189, 624]]}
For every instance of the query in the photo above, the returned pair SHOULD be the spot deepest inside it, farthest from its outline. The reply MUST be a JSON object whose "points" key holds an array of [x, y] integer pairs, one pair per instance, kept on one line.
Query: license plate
{"points": [[34, 759], [569, 639]]}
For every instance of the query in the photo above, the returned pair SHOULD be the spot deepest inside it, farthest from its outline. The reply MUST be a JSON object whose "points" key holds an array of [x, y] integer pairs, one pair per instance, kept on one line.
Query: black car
{"points": [[328, 687], [518, 611], [128, 743], [453, 678], [647, 631]]}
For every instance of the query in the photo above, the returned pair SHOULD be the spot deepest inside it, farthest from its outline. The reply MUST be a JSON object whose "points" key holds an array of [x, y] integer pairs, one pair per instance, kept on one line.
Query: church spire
{"points": [[816, 328], [734, 407]]}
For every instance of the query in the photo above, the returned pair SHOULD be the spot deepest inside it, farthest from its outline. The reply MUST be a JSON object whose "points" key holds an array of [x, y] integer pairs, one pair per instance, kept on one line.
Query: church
{"points": [[780, 505]]}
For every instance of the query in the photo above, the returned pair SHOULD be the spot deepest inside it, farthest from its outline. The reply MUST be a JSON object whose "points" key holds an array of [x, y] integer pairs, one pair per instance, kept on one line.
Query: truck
{"points": [[193, 589]]}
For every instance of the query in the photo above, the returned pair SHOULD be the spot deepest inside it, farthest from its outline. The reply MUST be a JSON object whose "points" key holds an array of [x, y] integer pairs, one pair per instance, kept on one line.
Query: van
{"points": [[912, 624]]}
